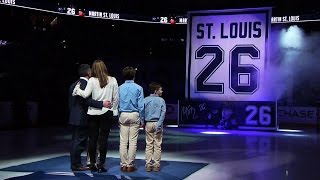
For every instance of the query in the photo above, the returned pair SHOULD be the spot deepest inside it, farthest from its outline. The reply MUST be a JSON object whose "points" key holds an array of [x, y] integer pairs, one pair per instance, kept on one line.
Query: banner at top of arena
{"points": [[227, 54]]}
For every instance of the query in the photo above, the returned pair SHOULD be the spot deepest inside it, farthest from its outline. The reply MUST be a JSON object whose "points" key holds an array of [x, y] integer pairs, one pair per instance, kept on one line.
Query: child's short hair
{"points": [[128, 73], [154, 86]]}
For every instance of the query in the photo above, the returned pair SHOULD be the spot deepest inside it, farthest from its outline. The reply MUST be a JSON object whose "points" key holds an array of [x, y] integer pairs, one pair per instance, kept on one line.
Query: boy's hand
{"points": [[158, 127]]}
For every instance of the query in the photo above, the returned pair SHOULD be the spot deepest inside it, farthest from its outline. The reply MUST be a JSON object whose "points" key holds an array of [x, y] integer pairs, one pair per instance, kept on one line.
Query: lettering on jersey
{"points": [[12, 2], [104, 15], [230, 30]]}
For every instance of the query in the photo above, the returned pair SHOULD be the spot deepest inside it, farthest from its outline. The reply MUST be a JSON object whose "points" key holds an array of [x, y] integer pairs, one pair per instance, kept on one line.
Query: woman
{"points": [[101, 87]]}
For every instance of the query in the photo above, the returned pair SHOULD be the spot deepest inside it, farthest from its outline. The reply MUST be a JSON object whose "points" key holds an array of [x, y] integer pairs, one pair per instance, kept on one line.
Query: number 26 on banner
{"points": [[235, 69], [263, 114]]}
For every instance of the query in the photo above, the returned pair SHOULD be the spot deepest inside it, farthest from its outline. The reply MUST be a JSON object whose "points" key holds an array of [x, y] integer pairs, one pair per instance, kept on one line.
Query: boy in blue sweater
{"points": [[155, 110]]}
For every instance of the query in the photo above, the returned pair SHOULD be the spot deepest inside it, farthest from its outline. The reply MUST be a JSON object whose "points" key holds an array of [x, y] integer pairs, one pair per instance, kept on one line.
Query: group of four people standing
{"points": [[93, 101]]}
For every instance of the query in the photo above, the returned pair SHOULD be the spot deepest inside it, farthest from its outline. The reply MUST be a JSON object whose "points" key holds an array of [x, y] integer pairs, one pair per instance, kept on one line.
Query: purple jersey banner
{"points": [[227, 54], [259, 115]]}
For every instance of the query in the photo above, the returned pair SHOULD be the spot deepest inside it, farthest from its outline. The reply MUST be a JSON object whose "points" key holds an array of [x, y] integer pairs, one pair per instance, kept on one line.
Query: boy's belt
{"points": [[152, 120]]}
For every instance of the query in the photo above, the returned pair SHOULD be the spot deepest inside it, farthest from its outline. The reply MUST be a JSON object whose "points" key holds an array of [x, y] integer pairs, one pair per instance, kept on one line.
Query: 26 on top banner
{"points": [[227, 54]]}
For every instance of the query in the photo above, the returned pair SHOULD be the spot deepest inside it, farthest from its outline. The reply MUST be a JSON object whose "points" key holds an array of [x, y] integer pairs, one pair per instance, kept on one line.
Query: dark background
{"points": [[41, 60]]}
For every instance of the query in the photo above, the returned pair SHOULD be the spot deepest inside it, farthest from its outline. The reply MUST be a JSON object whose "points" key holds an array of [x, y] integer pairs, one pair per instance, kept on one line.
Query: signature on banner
{"points": [[191, 112]]}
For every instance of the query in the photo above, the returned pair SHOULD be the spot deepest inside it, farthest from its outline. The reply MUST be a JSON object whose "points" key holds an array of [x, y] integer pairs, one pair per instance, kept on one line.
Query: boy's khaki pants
{"points": [[129, 123], [153, 144]]}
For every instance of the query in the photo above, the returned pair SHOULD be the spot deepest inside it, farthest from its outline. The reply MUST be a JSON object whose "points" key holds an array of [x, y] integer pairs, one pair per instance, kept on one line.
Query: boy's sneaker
{"points": [[148, 168], [131, 168], [156, 168], [123, 168]]}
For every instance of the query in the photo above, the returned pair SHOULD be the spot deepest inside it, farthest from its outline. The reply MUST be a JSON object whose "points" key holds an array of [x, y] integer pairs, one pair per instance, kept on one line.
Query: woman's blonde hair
{"points": [[99, 70]]}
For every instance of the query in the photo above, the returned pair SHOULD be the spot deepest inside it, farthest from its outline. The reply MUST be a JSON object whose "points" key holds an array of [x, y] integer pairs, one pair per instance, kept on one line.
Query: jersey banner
{"points": [[258, 115], [226, 55]]}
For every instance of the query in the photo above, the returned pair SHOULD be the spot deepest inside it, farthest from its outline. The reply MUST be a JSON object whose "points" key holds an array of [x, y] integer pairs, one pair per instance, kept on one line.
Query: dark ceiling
{"points": [[149, 7], [164, 7]]}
